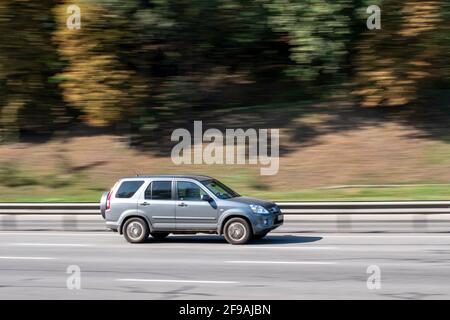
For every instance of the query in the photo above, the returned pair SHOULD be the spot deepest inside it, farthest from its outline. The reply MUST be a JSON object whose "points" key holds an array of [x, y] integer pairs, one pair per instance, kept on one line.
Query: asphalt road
{"points": [[33, 265]]}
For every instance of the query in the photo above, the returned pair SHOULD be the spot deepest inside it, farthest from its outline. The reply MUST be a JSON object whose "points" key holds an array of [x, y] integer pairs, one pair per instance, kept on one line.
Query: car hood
{"points": [[248, 200]]}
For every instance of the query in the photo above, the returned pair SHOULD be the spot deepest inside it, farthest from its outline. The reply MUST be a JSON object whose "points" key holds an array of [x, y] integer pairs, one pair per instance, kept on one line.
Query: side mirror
{"points": [[206, 197]]}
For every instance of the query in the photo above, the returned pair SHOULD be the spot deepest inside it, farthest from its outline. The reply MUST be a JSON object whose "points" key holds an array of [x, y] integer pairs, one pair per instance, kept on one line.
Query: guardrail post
{"points": [[9, 222], [70, 223], [420, 222], [344, 222]]}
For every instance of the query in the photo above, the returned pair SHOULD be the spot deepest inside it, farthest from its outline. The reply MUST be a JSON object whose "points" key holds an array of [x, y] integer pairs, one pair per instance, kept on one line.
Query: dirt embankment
{"points": [[320, 148]]}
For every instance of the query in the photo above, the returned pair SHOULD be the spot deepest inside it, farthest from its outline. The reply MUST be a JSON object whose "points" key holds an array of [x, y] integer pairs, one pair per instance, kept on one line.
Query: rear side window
{"points": [[159, 190], [128, 189]]}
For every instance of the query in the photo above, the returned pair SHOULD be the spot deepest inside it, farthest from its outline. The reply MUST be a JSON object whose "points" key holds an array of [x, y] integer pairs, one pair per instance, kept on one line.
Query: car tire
{"points": [[135, 230], [159, 235], [237, 231], [259, 236]]}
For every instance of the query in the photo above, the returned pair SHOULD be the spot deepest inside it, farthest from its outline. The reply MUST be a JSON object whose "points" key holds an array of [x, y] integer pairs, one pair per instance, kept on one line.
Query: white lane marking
{"points": [[280, 262], [380, 236], [177, 281], [26, 258], [295, 248], [51, 244], [56, 233]]}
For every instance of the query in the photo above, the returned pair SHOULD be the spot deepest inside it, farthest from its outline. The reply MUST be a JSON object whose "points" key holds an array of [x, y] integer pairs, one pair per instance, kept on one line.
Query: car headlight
{"points": [[256, 208]]}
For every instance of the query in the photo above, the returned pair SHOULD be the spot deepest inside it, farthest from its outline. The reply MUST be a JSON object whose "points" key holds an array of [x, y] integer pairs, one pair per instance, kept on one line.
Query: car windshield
{"points": [[219, 189]]}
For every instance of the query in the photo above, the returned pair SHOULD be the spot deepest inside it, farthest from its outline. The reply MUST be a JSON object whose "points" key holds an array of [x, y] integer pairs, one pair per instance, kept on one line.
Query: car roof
{"points": [[194, 177]]}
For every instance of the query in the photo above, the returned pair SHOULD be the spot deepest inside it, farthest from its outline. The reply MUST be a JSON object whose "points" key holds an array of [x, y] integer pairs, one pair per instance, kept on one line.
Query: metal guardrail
{"points": [[301, 216], [366, 207], [50, 208], [287, 207]]}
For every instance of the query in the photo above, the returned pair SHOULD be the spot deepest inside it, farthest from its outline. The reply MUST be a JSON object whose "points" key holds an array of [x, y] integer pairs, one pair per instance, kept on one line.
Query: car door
{"points": [[158, 204], [193, 213]]}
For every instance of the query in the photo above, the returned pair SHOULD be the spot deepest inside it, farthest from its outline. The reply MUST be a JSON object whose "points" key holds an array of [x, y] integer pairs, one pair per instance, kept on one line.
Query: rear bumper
{"points": [[112, 225], [103, 201]]}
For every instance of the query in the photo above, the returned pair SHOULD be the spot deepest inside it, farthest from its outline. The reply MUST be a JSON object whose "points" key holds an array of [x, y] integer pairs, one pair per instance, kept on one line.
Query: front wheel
{"points": [[237, 231], [135, 230]]}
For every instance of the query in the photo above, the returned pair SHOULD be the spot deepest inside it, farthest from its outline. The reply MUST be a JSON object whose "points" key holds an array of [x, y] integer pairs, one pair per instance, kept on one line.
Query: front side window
{"points": [[128, 189], [189, 191], [159, 190]]}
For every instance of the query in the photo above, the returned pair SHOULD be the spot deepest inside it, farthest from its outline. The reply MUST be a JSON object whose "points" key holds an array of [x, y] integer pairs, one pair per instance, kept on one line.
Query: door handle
{"points": [[182, 204], [145, 204]]}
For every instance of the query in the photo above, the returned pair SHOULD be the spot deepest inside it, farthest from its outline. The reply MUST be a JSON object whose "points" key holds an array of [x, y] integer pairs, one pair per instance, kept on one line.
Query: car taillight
{"points": [[108, 201], [108, 198]]}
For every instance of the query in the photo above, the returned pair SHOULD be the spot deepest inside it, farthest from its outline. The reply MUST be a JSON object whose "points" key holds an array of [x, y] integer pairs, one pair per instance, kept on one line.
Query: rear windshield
{"points": [[128, 188]]}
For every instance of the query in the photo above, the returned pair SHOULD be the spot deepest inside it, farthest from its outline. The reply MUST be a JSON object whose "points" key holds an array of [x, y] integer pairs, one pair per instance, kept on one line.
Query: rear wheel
{"points": [[135, 230], [159, 235], [237, 231]]}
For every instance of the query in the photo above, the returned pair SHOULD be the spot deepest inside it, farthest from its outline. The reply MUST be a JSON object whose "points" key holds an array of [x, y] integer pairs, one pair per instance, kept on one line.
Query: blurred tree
{"points": [[214, 46], [144, 64], [394, 63], [29, 99], [317, 31], [95, 80]]}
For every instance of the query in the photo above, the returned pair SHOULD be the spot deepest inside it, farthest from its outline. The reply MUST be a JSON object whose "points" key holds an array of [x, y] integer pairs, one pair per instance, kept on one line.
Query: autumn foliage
{"points": [[144, 62]]}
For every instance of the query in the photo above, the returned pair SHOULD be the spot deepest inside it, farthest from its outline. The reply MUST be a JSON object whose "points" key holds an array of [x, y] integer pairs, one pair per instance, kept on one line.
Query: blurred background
{"points": [[363, 114]]}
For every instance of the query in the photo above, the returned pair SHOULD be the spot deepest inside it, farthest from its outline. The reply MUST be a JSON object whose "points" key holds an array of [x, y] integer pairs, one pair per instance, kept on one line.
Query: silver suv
{"points": [[159, 205]]}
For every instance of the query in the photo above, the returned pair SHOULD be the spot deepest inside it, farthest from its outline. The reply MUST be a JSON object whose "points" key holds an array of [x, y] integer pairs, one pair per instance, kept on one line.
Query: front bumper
{"points": [[266, 223]]}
